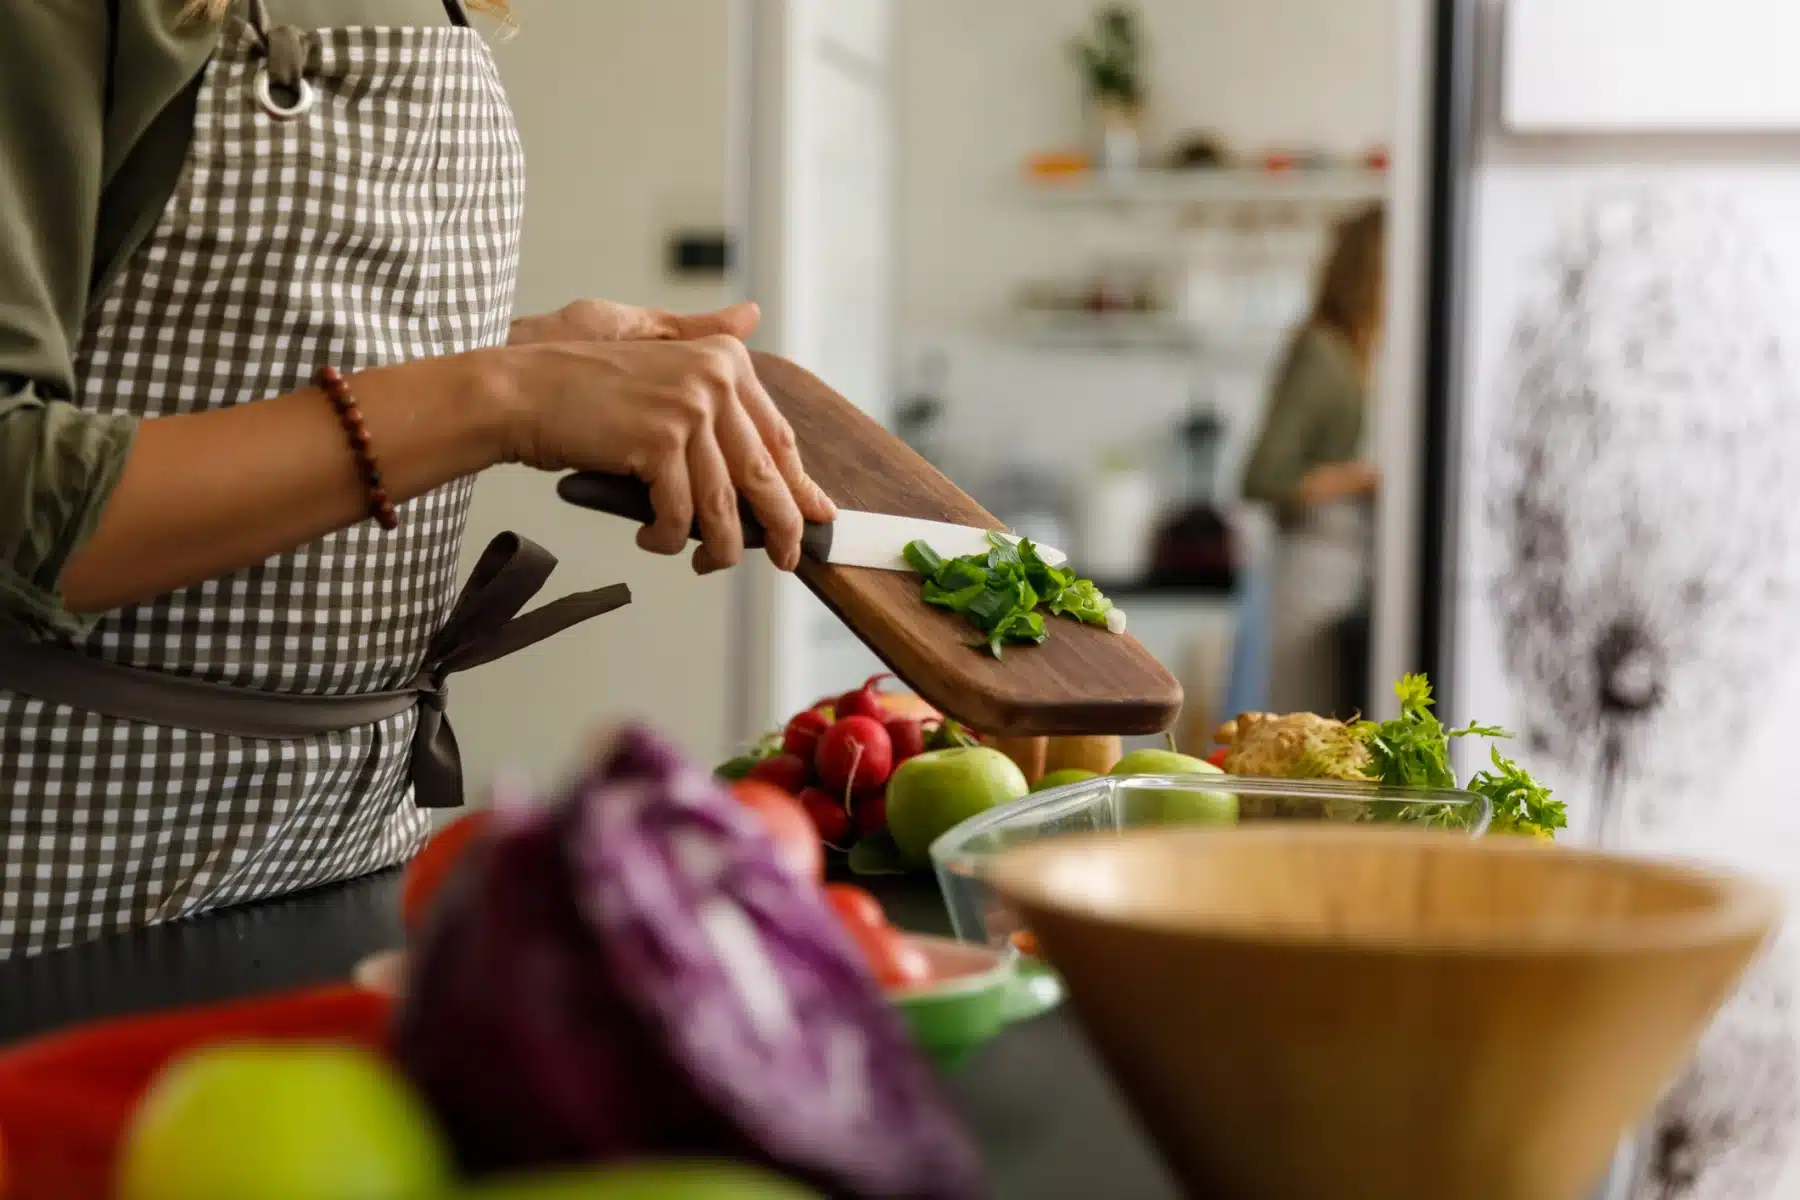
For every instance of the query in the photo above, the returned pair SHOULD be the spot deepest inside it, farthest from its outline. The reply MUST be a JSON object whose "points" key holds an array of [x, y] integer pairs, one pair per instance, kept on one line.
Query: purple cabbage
{"points": [[634, 973]]}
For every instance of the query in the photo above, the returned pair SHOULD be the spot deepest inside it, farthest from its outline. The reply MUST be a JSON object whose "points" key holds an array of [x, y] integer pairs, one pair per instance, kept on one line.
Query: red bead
{"points": [[337, 390]]}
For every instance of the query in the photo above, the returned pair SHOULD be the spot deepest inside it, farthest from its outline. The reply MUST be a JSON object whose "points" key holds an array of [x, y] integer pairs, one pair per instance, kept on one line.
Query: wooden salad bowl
{"points": [[1300, 1012]]}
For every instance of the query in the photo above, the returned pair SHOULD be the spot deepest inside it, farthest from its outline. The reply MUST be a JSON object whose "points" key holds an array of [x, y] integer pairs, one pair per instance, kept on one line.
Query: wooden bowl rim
{"points": [[1742, 908]]}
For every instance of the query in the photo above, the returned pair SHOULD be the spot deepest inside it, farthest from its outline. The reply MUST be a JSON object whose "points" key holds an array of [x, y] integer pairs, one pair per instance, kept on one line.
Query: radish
{"points": [[871, 814], [863, 702], [828, 816], [801, 737], [788, 772], [855, 755], [907, 736]]}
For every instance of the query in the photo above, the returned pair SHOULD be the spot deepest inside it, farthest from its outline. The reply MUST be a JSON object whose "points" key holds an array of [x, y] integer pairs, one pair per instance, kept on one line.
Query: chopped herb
{"points": [[1000, 592]]}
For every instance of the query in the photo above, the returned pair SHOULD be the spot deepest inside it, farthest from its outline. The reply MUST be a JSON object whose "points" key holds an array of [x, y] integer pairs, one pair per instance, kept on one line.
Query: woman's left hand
{"points": [[606, 321]]}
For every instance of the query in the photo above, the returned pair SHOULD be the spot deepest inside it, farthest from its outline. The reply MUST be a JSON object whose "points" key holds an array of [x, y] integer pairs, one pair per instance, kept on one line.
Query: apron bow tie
{"points": [[485, 625]]}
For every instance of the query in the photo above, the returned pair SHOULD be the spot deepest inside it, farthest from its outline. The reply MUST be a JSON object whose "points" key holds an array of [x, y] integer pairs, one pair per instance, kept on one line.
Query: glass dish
{"points": [[1118, 803]]}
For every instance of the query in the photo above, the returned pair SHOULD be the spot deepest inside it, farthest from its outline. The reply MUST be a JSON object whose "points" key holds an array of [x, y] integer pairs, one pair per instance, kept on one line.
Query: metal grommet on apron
{"points": [[281, 85], [270, 730]]}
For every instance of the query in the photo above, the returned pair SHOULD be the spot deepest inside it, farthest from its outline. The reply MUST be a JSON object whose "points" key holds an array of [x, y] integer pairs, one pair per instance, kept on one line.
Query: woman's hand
{"points": [[688, 417], [1336, 481], [606, 321]]}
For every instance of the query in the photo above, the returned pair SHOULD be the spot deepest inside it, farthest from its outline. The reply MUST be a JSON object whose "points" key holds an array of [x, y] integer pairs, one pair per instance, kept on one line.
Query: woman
{"points": [[256, 274], [1308, 467]]}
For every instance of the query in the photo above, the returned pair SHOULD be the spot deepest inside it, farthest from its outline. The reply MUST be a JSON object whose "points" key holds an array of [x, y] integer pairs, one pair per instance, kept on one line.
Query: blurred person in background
{"points": [[1308, 467]]}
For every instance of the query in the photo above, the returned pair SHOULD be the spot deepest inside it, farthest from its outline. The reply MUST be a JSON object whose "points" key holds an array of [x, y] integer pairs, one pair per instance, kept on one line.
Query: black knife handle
{"points": [[629, 497]]}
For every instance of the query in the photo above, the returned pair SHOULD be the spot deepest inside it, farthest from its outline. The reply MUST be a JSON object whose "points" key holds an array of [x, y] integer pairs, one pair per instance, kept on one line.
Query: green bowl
{"points": [[976, 992]]}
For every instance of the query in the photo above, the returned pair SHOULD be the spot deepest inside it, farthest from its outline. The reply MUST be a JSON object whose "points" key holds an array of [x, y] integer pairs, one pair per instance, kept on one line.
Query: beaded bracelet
{"points": [[332, 382]]}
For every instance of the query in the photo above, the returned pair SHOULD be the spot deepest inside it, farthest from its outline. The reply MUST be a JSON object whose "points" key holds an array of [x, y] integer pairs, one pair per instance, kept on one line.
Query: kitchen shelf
{"points": [[1077, 329], [1214, 187]]}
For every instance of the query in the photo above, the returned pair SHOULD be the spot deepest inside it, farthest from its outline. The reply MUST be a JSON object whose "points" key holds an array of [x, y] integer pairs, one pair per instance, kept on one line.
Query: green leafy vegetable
{"points": [[740, 766], [1001, 592], [1413, 750], [876, 854], [1521, 804], [947, 734]]}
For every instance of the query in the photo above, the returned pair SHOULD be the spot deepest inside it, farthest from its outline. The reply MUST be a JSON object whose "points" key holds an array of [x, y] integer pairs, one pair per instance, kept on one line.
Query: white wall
{"points": [[983, 84], [623, 108]]}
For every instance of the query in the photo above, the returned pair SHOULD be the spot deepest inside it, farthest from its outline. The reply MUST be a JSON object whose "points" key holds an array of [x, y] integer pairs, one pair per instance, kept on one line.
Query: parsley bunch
{"points": [[1413, 750], [1001, 591]]}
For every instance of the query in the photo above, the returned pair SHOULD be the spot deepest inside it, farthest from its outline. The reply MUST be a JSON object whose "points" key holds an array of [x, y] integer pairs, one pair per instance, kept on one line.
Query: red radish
{"points": [[788, 772], [801, 738], [828, 816], [863, 702], [908, 738], [855, 754], [871, 814]]}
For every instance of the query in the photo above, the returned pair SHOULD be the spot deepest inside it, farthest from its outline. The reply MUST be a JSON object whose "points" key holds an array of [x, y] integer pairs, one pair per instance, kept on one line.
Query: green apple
{"points": [[295, 1122], [1163, 762], [693, 1180], [1063, 778], [931, 792], [1180, 806]]}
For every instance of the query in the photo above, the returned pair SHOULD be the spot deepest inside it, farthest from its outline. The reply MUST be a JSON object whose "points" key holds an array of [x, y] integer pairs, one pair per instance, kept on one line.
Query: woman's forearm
{"points": [[208, 493]]}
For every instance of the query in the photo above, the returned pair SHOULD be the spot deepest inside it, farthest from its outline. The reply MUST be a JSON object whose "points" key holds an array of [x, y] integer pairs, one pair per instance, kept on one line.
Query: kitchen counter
{"points": [[1048, 1119]]}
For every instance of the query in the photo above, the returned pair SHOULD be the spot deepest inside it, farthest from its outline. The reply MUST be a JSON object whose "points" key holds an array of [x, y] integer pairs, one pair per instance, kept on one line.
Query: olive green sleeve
{"points": [[1309, 388], [57, 464]]}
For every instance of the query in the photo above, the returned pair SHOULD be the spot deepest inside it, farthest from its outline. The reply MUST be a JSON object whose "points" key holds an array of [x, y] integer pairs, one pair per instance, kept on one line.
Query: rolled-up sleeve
{"points": [[1308, 387], [58, 464]]}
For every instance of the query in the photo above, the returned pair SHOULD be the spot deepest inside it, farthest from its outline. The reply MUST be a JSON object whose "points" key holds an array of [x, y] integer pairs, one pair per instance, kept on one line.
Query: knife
{"points": [[855, 539]]}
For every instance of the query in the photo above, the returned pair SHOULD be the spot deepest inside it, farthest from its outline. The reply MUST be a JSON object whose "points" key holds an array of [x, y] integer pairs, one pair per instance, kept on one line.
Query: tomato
{"points": [[786, 823], [892, 959], [855, 907], [431, 866], [1217, 757]]}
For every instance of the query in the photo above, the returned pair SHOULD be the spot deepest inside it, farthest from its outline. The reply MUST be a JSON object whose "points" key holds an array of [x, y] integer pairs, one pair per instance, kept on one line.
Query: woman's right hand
{"points": [[689, 418]]}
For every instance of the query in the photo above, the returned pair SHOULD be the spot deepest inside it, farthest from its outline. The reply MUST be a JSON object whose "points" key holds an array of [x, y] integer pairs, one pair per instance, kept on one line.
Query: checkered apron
{"points": [[367, 212]]}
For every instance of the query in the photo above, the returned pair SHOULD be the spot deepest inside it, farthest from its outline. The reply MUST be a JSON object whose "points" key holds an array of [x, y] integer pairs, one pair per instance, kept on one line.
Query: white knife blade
{"points": [[879, 541], [855, 539]]}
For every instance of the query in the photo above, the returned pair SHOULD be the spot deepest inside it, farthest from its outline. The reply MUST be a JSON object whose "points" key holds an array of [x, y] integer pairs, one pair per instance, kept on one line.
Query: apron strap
{"points": [[485, 624]]}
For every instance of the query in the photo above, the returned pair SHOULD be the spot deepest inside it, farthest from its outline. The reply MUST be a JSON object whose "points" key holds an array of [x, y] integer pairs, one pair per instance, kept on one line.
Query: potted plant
{"points": [[1111, 60]]}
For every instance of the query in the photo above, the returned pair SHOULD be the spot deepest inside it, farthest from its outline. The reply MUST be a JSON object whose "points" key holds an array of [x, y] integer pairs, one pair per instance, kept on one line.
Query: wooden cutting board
{"points": [[1084, 680]]}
